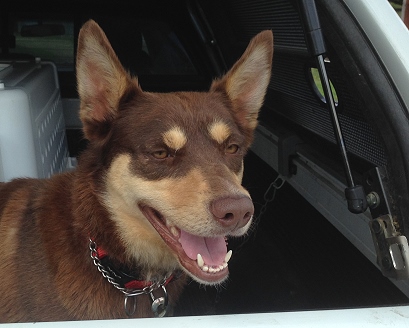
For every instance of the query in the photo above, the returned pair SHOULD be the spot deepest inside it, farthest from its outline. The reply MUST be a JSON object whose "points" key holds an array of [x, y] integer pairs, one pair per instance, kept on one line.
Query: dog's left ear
{"points": [[247, 81], [101, 81]]}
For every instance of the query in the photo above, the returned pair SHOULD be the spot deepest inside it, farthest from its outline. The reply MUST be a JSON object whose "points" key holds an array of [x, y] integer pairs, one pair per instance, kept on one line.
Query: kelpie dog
{"points": [[152, 201]]}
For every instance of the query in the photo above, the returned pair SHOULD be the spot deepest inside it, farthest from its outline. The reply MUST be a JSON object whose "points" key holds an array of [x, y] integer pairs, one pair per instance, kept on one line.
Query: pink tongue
{"points": [[213, 250]]}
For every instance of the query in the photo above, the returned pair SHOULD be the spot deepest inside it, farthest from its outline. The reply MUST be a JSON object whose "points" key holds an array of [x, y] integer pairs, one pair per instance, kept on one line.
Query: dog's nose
{"points": [[233, 211]]}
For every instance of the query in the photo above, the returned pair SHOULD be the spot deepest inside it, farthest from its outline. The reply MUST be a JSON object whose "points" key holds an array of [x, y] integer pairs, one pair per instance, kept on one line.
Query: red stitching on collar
{"points": [[140, 284], [133, 284]]}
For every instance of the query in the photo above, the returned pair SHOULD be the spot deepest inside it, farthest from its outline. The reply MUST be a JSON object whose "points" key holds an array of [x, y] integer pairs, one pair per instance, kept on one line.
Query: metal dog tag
{"points": [[160, 304]]}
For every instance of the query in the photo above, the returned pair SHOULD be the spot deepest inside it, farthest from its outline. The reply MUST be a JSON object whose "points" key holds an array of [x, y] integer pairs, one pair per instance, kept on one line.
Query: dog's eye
{"points": [[160, 154], [232, 149]]}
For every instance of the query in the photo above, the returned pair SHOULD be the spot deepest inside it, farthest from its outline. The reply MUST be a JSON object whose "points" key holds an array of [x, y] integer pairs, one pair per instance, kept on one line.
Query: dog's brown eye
{"points": [[232, 149], [160, 154]]}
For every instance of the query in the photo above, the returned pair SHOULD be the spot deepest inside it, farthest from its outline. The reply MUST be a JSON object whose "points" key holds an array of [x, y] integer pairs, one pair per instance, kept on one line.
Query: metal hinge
{"points": [[391, 248], [390, 244]]}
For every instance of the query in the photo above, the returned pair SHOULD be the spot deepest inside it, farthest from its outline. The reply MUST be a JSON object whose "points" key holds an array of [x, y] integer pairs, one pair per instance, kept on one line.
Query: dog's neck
{"points": [[129, 284], [123, 276]]}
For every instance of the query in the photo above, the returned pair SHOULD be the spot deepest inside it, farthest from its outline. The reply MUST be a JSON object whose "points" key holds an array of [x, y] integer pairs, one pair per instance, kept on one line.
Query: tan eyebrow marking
{"points": [[175, 138], [219, 131]]}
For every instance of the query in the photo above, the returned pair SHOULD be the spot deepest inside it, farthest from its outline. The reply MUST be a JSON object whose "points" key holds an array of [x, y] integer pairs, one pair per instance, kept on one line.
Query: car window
{"points": [[49, 39], [145, 47]]}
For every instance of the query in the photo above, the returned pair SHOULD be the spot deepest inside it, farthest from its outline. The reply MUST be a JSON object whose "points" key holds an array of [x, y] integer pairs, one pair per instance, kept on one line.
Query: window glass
{"points": [[144, 47], [48, 39]]}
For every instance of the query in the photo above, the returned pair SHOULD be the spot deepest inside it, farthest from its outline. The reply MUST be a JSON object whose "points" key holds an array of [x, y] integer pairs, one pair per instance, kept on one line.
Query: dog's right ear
{"points": [[101, 81]]}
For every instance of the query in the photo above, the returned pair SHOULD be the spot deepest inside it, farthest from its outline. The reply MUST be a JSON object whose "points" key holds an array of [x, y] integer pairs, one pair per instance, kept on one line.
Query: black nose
{"points": [[233, 211]]}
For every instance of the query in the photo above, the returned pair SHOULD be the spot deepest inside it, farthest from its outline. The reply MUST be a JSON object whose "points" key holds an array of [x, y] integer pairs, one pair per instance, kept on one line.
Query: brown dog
{"points": [[153, 198]]}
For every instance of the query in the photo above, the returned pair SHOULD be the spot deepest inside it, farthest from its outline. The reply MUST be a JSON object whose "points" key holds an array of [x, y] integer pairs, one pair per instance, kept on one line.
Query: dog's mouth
{"points": [[204, 258]]}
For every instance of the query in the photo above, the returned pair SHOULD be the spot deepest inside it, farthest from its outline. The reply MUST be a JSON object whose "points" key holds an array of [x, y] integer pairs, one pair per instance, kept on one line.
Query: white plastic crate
{"points": [[32, 129]]}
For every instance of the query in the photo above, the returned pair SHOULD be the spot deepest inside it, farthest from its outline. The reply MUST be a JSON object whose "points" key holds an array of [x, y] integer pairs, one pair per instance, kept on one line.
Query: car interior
{"points": [[329, 168]]}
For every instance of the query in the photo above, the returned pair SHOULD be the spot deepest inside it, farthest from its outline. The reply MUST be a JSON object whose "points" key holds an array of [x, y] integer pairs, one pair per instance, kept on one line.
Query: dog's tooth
{"points": [[174, 231], [221, 267], [228, 256], [205, 268], [211, 270], [225, 265], [200, 261]]}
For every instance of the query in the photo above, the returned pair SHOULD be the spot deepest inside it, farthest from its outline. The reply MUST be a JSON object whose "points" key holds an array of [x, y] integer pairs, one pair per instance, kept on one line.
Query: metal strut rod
{"points": [[355, 194]]}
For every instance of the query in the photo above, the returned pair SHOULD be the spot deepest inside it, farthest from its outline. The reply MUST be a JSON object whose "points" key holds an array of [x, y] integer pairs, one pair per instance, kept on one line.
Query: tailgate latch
{"points": [[391, 248]]}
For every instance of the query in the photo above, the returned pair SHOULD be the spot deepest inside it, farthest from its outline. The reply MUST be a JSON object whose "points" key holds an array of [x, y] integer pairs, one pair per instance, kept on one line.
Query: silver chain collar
{"points": [[159, 304]]}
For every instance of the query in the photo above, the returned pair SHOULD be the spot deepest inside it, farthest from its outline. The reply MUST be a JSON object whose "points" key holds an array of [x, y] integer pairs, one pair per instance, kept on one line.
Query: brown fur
{"points": [[45, 265]]}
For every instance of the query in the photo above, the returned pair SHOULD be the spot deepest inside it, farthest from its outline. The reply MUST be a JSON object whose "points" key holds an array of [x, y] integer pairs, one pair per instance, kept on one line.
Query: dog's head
{"points": [[174, 162]]}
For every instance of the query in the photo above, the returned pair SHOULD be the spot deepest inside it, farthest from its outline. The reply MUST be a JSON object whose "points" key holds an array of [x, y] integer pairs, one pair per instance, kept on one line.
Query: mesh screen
{"points": [[291, 88]]}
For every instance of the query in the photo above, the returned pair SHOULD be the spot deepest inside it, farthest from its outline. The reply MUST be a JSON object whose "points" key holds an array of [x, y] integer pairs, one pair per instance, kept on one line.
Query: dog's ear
{"points": [[245, 84], [101, 80]]}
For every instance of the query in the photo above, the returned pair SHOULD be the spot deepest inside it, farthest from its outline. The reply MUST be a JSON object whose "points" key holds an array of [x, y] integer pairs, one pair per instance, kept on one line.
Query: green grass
{"points": [[318, 84], [397, 7], [59, 49]]}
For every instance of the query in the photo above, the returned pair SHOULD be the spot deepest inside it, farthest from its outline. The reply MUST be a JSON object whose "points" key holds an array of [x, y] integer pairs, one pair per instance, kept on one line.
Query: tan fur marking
{"points": [[175, 138], [219, 131], [171, 197]]}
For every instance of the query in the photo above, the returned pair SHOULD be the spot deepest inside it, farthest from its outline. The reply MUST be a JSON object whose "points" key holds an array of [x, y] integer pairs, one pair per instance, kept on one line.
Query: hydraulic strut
{"points": [[391, 245], [355, 194]]}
